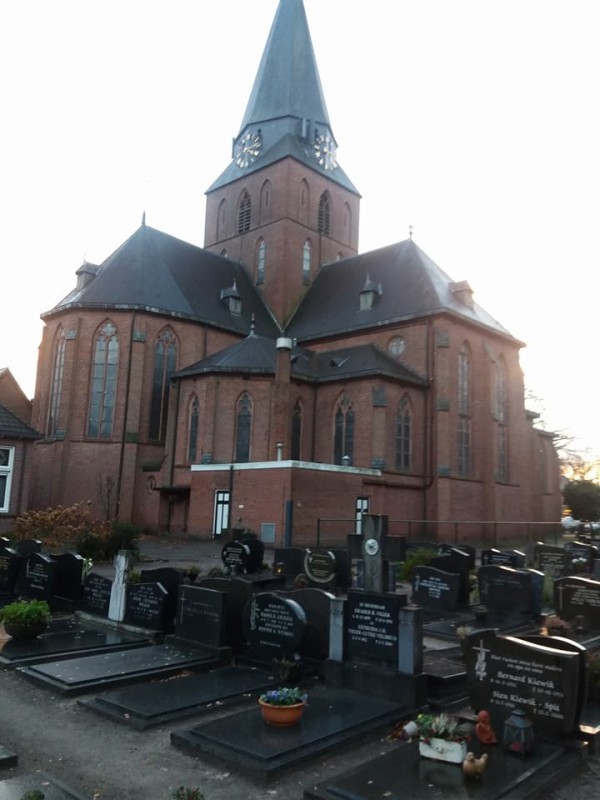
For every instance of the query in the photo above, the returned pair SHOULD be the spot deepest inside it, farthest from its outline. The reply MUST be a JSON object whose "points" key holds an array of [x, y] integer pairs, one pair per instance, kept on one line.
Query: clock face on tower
{"points": [[325, 151], [247, 148]]}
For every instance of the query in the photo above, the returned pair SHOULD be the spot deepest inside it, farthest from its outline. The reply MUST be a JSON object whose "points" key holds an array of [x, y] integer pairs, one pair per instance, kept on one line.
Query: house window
{"points": [[165, 363], [244, 213], [306, 262], [104, 382], [403, 435], [243, 428], [7, 457], [361, 507], [296, 432], [261, 258], [464, 412], [324, 221], [57, 382], [193, 429], [343, 440]]}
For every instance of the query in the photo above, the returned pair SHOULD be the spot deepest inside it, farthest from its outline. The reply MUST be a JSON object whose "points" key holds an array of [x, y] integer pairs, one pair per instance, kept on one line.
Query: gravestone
{"points": [[237, 593], [506, 590], [471, 551], [118, 592], [553, 561], [274, 627], [243, 555], [457, 561], [68, 578], [372, 626], [506, 558], [290, 560], [578, 599], [582, 555], [543, 679], [316, 605], [434, 589], [376, 550], [95, 595], [171, 580], [201, 616], [27, 547], [11, 563], [320, 567], [146, 607], [40, 578]]}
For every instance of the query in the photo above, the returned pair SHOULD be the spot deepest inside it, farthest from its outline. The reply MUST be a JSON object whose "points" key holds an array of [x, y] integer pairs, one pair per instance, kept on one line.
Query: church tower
{"points": [[284, 207]]}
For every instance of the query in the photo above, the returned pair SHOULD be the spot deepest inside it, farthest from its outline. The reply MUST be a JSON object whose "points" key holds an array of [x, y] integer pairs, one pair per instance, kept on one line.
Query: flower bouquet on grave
{"points": [[442, 737]]}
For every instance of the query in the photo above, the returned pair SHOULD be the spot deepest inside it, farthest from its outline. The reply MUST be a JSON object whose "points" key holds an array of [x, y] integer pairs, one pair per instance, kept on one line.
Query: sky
{"points": [[476, 122]]}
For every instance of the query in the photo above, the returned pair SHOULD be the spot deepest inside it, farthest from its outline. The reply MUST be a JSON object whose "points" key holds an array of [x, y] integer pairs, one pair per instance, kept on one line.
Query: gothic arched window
{"points": [[58, 368], [165, 364], [103, 388], [403, 435], [464, 412], [243, 428], [193, 429], [261, 259], [244, 213], [324, 221]]}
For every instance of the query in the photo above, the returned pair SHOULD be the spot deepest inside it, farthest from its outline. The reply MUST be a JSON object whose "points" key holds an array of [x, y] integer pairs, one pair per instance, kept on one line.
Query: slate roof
{"points": [[11, 427], [155, 272], [412, 286], [258, 355], [287, 94]]}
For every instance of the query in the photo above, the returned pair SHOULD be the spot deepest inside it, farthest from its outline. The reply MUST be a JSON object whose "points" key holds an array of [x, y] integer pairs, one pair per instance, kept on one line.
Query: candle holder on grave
{"points": [[518, 736]]}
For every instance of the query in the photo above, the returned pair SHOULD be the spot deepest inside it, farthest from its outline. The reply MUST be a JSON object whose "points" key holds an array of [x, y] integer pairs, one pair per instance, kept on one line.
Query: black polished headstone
{"points": [[170, 579], [145, 607], [578, 597], [434, 589], [237, 594], [371, 626], [10, 568], [506, 558], [201, 616], [291, 560], [243, 555], [581, 554], [27, 547], [471, 551], [274, 627], [553, 561], [506, 590], [320, 566], [454, 560], [508, 672], [40, 578], [95, 595], [67, 579], [316, 605]]}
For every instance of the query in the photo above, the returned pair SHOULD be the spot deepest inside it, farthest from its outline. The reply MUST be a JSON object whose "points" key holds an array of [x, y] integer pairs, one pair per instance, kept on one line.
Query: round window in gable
{"points": [[396, 346]]}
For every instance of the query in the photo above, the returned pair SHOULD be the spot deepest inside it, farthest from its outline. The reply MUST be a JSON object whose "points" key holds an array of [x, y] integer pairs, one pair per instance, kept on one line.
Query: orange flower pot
{"points": [[282, 716]]}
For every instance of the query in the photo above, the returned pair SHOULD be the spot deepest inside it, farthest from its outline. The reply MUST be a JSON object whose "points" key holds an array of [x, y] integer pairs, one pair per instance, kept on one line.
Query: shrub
{"points": [[184, 793], [59, 527], [416, 558], [119, 536]]}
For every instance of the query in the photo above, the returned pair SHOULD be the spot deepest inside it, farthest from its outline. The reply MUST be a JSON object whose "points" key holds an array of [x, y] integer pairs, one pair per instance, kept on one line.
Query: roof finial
{"points": [[252, 324], [143, 219], [410, 231]]}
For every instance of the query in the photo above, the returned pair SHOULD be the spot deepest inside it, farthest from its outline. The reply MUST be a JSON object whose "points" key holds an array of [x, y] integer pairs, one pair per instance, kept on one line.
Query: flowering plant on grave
{"points": [[441, 726], [284, 696], [554, 624]]}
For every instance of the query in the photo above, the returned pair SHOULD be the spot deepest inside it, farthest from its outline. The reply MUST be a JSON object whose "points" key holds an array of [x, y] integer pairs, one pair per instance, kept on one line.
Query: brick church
{"points": [[277, 376]]}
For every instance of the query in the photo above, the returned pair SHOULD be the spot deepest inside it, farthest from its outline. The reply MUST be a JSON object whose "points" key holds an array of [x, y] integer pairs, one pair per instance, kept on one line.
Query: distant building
{"points": [[16, 450], [277, 376]]}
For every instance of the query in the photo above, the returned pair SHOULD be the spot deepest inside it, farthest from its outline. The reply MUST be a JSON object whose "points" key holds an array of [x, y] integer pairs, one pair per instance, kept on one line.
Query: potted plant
{"points": [[283, 706], [555, 626], [25, 619], [442, 737]]}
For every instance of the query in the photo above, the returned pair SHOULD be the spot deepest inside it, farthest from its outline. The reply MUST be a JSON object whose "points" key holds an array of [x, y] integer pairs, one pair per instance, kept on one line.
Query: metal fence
{"points": [[479, 534]]}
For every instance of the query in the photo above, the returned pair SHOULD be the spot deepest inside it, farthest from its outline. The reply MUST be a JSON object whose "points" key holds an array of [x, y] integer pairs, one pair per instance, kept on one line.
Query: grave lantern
{"points": [[279, 568], [518, 733]]}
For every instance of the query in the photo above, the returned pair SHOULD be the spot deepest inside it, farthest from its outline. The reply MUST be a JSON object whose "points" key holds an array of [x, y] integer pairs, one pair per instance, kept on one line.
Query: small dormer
{"points": [[86, 274], [463, 293], [232, 299], [369, 294]]}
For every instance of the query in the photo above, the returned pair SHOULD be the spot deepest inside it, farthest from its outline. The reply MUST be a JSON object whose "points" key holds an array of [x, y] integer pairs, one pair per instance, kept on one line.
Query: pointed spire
{"points": [[287, 83]]}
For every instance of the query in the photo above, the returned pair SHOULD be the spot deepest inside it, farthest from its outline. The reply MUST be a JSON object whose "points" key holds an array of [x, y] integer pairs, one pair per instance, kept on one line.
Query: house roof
{"points": [[11, 427], [410, 285], [258, 355], [155, 272]]}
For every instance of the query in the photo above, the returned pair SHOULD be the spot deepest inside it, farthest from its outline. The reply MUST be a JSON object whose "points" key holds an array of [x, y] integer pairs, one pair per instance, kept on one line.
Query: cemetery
{"points": [[493, 631]]}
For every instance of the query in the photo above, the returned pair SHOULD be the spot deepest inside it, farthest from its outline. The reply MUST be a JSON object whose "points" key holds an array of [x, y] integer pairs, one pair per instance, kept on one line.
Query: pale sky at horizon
{"points": [[475, 122]]}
